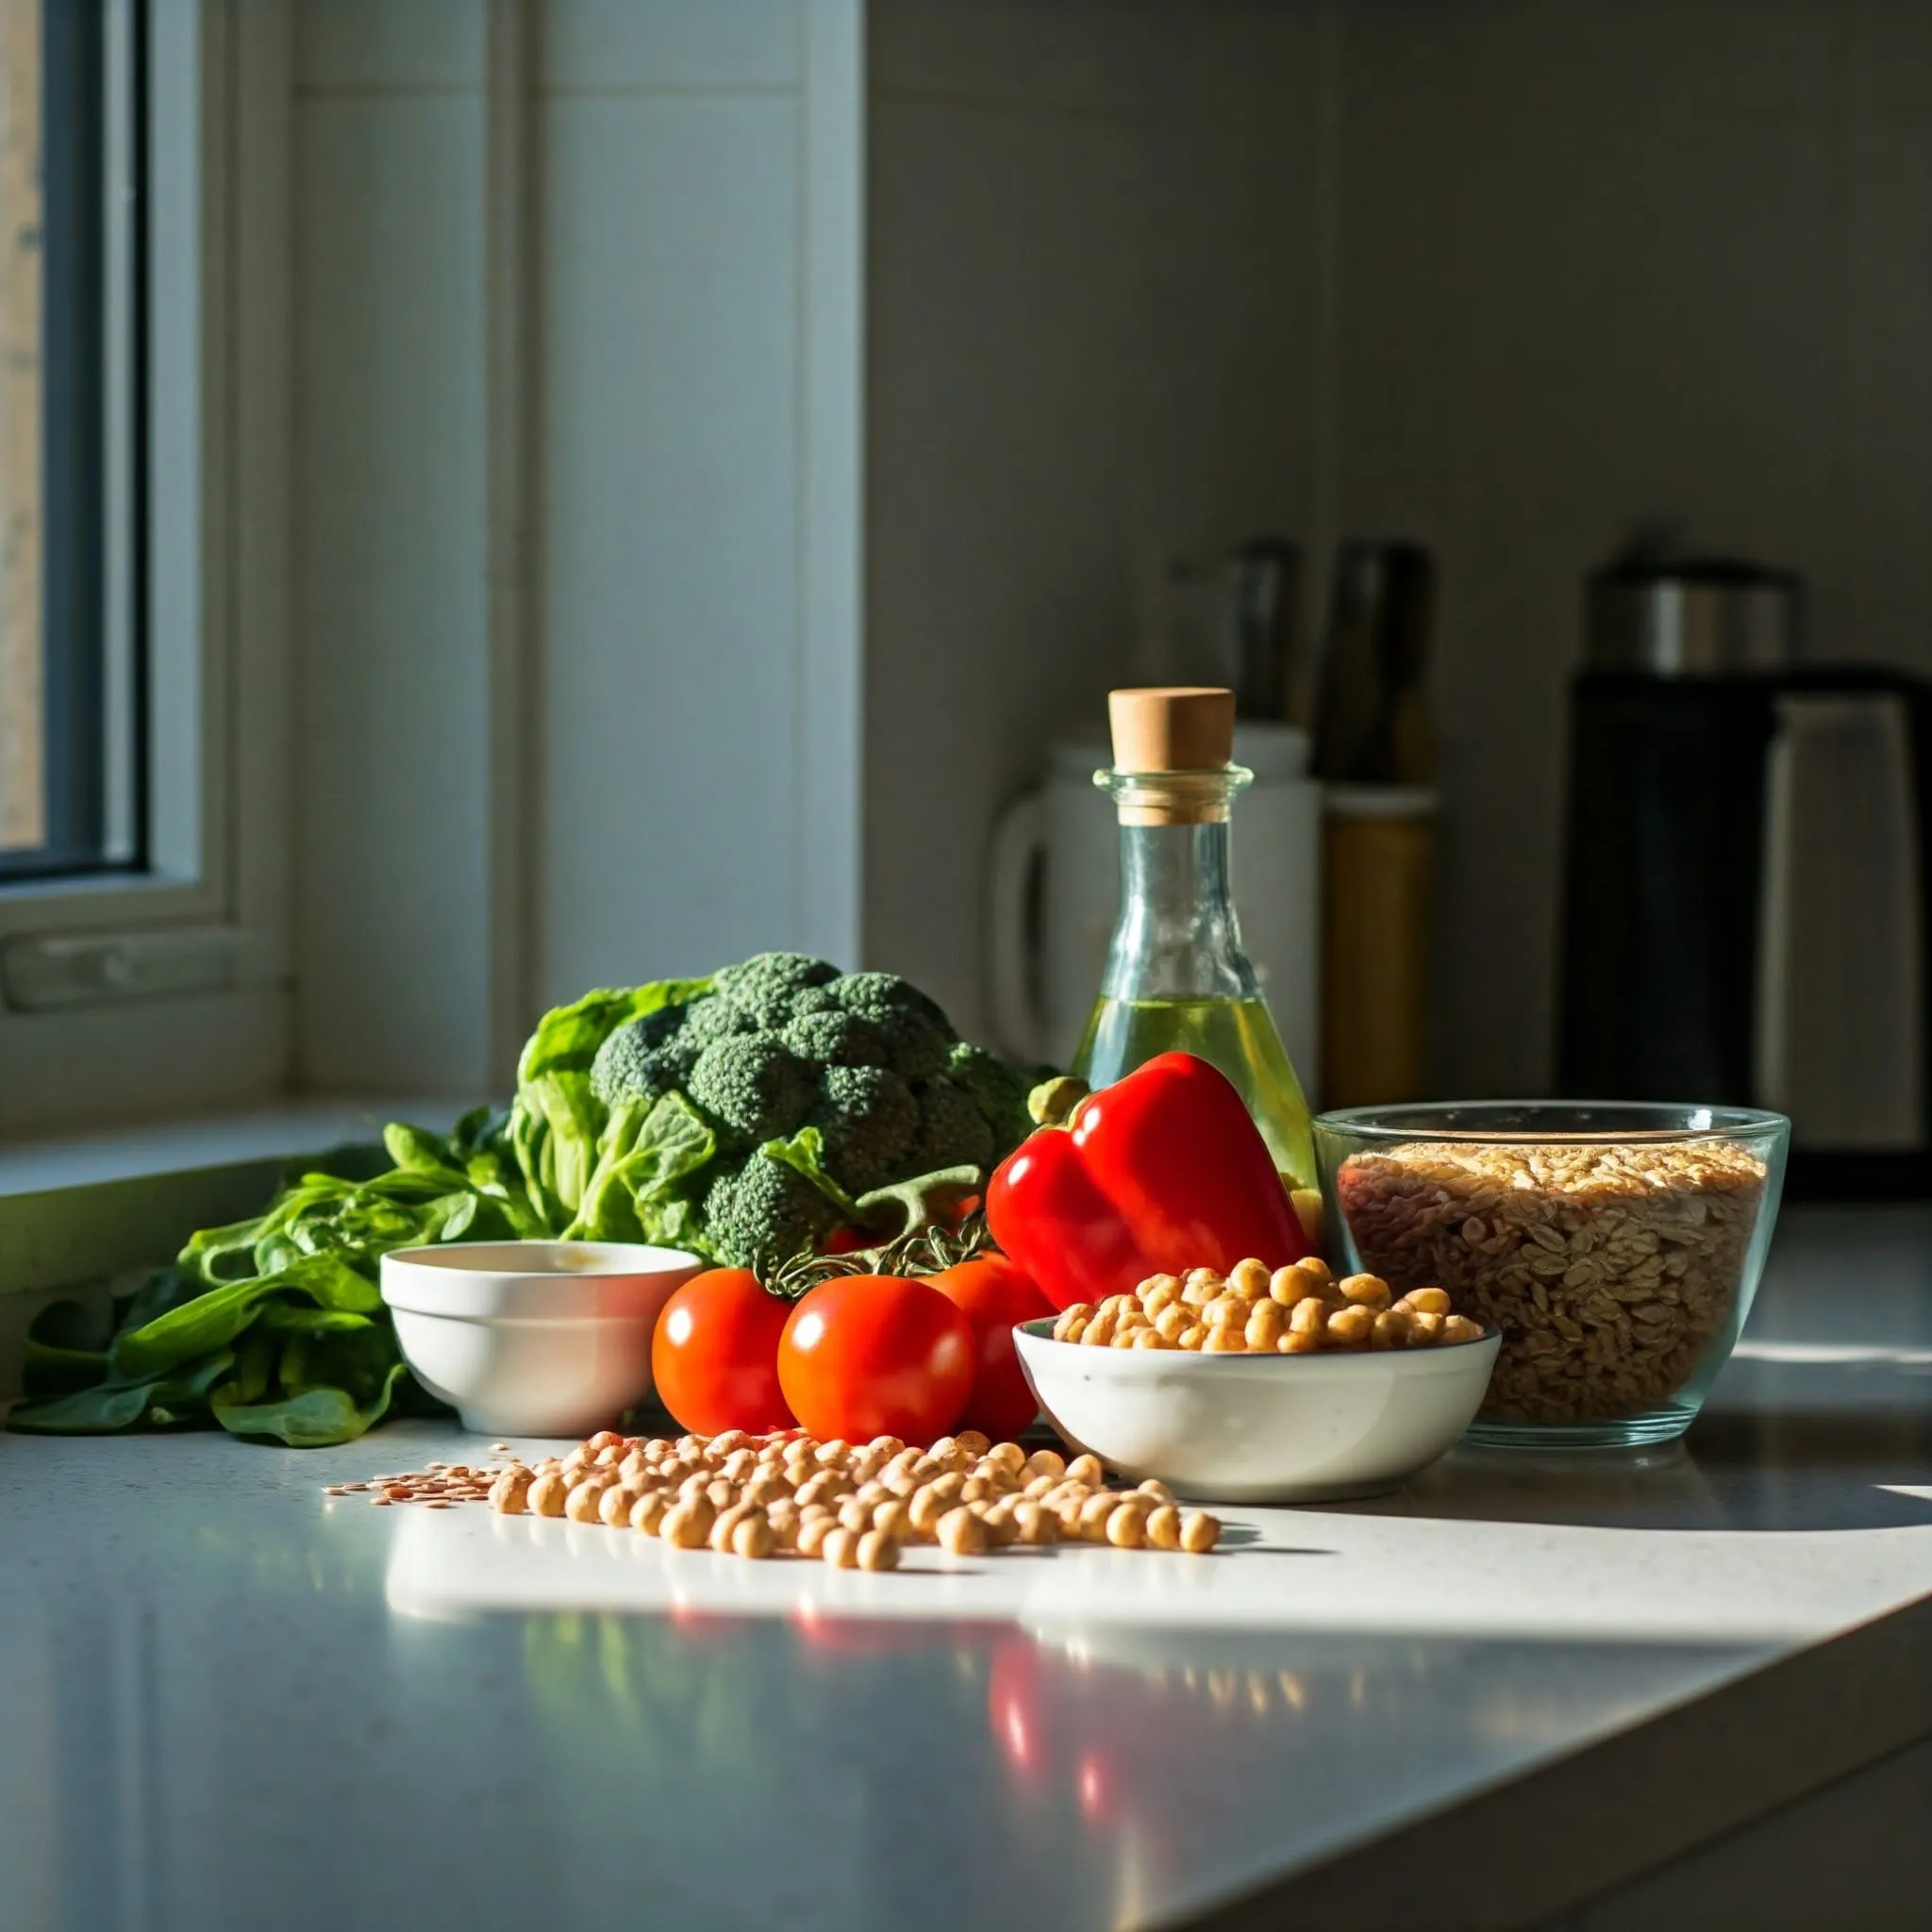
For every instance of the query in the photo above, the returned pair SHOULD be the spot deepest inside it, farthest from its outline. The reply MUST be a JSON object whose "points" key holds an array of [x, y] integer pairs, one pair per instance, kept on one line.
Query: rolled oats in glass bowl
{"points": [[1617, 1246]]}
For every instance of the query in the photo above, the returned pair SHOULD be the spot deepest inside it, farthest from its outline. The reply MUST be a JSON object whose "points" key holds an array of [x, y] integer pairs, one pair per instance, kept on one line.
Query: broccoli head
{"points": [[717, 1019], [835, 1037], [917, 1037], [868, 1118], [753, 1086], [759, 1213], [997, 1090], [952, 1131], [767, 985], [646, 1060]]}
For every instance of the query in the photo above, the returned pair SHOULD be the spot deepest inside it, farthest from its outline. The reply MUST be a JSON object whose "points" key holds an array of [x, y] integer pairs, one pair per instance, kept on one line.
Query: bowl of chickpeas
{"points": [[1283, 1384]]}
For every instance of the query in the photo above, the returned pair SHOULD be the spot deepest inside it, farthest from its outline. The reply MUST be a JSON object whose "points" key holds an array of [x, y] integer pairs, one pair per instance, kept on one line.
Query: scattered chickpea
{"points": [[648, 1512], [1365, 1290], [892, 1519], [976, 1443], [753, 1537], [812, 1532], [876, 1551], [1459, 1328], [688, 1525], [1047, 1462], [840, 1549], [1226, 1341], [615, 1505], [1199, 1285], [1164, 1527], [783, 1517], [1425, 1328], [1034, 1524], [1265, 1324], [1126, 1527], [1155, 1488], [961, 1533], [725, 1526], [1196, 1336], [1426, 1300], [1350, 1327], [1391, 1328], [926, 1508], [1095, 1511], [1200, 1532], [1299, 1342], [581, 1505], [547, 1493], [510, 1493], [1249, 1278]]}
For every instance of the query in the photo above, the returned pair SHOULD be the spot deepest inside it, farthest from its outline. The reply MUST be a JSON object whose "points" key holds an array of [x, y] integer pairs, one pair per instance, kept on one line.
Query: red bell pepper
{"points": [[1163, 1172]]}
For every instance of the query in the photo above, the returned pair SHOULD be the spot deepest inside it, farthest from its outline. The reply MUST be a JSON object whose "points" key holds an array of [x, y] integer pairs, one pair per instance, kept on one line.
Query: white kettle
{"points": [[1054, 889]]}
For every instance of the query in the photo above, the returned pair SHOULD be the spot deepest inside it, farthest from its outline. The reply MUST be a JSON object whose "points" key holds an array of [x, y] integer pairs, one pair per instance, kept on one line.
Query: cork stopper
{"points": [[1177, 728]]}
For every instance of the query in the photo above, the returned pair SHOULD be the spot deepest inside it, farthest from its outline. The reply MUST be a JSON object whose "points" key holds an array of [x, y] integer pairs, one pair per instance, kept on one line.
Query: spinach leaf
{"points": [[313, 1419], [642, 1154]]}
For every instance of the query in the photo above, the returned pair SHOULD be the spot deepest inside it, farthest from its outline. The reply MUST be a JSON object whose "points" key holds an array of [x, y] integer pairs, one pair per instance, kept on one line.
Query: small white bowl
{"points": [[532, 1337], [1258, 1428]]}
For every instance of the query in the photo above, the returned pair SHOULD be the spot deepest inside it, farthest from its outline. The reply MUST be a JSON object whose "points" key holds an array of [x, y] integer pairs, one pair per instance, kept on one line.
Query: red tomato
{"points": [[877, 1355], [993, 1294], [714, 1357]]}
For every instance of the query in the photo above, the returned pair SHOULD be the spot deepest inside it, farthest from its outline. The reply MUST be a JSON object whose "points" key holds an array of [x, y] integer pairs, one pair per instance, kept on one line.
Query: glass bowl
{"points": [[1617, 1245]]}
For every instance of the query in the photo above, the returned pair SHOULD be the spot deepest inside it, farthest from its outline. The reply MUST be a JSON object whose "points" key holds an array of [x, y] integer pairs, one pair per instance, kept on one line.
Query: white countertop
{"points": [[224, 1691]]}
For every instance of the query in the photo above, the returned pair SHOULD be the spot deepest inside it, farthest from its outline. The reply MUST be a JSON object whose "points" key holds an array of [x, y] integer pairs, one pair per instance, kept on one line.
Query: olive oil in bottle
{"points": [[1178, 978]]}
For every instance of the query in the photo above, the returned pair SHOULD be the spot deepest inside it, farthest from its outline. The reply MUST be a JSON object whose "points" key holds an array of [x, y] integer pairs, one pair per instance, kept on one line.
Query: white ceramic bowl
{"points": [[1258, 1428], [532, 1337]]}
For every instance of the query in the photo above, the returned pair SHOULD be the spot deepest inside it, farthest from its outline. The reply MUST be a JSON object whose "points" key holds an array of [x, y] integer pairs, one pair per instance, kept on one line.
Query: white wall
{"points": [[1092, 336], [676, 671]]}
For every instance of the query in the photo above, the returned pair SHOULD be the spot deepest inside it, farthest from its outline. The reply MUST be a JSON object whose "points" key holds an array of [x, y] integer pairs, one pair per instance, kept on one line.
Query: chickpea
{"points": [[510, 1493], [886, 1446], [648, 1512], [1310, 1316], [578, 1459], [978, 1489], [1075, 1329], [892, 1519], [946, 1452], [855, 1515], [1249, 1278], [1126, 1529], [812, 1532], [949, 1488], [1125, 1337], [872, 1493], [1153, 1490], [688, 1525], [1151, 1338], [635, 1470], [876, 1551], [926, 1508], [1225, 1311], [1034, 1524], [753, 1538], [1159, 1291], [1199, 1285], [1093, 1514], [822, 1488], [723, 1443], [615, 1505], [724, 1492], [975, 1442], [925, 1470], [1391, 1328], [1098, 1332], [1067, 1514], [1041, 1487], [865, 1468], [1048, 1462], [1350, 1327], [961, 1533], [1298, 1341], [1086, 1469], [1081, 1312], [608, 1457], [1426, 1300], [1365, 1290], [1200, 1532], [1423, 1328], [1460, 1328], [738, 1466], [1195, 1338], [1265, 1323], [1226, 1341], [835, 1454], [783, 1517], [547, 1493], [691, 1447], [1173, 1321], [580, 1505], [725, 1526], [1164, 1527], [840, 1549], [1324, 1275]]}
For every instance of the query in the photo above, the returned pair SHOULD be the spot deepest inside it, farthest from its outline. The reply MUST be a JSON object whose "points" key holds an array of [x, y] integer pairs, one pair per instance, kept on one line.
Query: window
{"points": [[71, 94]]}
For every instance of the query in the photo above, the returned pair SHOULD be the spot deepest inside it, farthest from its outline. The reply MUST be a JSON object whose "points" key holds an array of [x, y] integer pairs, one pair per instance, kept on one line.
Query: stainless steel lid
{"points": [[1704, 619]]}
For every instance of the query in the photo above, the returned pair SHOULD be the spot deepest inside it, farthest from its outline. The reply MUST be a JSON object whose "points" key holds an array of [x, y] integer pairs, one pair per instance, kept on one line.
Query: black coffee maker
{"points": [[1748, 862]]}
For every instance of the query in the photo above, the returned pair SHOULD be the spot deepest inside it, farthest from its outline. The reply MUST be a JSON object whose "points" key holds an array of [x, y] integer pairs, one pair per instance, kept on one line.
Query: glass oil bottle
{"points": [[1178, 978]]}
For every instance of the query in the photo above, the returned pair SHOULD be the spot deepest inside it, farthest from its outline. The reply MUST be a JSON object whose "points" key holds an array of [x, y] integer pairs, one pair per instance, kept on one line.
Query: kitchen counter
{"points": [[1521, 1684]]}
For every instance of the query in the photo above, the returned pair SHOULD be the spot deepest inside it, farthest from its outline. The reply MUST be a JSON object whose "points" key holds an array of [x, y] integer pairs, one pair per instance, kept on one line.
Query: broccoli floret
{"points": [[644, 1060], [868, 1118], [917, 1037], [836, 1037], [767, 985], [997, 1090], [717, 1019], [952, 1131], [760, 1213], [753, 1086]]}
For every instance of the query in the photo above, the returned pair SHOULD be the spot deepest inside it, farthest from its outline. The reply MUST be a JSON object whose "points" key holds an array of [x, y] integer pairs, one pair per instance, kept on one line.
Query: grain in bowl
{"points": [[1618, 1265]]}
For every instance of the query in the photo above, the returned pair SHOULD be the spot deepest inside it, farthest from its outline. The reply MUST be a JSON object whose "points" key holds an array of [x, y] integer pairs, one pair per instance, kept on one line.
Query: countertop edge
{"points": [[1562, 1833]]}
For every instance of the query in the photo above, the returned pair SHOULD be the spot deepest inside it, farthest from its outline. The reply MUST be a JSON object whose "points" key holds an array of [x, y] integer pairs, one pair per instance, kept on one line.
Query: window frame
{"points": [[208, 567]]}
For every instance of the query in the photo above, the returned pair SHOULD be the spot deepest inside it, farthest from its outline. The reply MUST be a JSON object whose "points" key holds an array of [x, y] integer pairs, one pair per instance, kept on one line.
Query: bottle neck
{"points": [[1177, 935]]}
